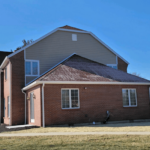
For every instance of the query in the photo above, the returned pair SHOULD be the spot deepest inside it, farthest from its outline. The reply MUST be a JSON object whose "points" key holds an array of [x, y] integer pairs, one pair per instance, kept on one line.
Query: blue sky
{"points": [[124, 25]]}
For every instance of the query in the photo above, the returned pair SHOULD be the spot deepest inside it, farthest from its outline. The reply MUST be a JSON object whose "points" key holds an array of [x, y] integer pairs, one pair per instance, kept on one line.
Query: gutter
{"points": [[84, 82]]}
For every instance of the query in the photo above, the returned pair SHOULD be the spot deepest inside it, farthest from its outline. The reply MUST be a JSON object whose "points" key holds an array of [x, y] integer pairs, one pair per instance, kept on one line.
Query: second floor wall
{"points": [[59, 45]]}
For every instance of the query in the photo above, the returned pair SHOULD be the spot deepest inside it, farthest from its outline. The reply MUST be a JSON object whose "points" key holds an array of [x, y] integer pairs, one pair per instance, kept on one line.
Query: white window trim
{"points": [[29, 60], [70, 98], [112, 65], [129, 97]]}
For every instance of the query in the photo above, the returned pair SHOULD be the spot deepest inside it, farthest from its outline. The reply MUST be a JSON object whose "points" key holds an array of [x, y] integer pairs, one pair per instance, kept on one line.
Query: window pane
{"points": [[34, 68], [133, 97], [65, 98], [28, 68], [74, 98], [125, 97]]}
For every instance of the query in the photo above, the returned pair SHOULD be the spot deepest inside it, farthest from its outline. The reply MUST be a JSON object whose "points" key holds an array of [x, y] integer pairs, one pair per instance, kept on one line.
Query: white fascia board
{"points": [[61, 29], [4, 63], [83, 82], [30, 86], [93, 82]]}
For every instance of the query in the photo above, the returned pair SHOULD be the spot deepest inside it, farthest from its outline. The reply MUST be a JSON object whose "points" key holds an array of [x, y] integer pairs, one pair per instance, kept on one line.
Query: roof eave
{"points": [[84, 82], [4, 63]]}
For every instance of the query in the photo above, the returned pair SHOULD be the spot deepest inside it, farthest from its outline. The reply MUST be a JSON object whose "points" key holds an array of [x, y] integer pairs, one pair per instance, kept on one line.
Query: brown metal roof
{"points": [[65, 73], [71, 28], [77, 68]]}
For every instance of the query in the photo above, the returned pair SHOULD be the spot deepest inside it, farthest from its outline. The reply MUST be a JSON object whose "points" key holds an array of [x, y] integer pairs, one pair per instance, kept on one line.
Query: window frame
{"points": [[70, 102], [129, 97], [112, 65], [31, 61]]}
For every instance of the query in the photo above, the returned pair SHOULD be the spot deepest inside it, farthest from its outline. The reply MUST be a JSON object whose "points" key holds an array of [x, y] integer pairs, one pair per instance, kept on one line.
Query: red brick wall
{"points": [[18, 82], [94, 102], [37, 105], [122, 65]]}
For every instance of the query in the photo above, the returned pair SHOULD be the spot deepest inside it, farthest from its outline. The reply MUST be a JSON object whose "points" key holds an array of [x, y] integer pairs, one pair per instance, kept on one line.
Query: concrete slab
{"points": [[74, 133], [19, 126]]}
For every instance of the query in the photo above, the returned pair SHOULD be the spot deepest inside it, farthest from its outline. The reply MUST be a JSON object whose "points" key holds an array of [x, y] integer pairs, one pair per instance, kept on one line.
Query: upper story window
{"points": [[70, 98], [129, 97], [32, 67], [112, 66], [74, 37]]}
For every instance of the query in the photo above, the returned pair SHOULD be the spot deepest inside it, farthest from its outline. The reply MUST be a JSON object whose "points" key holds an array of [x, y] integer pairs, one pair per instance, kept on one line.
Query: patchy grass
{"points": [[87, 142], [126, 127]]}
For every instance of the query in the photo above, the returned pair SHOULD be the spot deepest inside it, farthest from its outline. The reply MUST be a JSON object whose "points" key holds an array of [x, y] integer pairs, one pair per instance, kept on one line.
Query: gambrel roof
{"points": [[67, 29]]}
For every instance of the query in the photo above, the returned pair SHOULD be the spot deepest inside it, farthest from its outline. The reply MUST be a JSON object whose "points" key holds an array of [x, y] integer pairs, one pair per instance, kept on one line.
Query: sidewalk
{"points": [[73, 133]]}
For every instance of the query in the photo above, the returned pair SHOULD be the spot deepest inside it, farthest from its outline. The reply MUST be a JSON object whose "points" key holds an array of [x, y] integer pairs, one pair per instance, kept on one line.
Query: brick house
{"points": [[3, 54], [70, 76]]}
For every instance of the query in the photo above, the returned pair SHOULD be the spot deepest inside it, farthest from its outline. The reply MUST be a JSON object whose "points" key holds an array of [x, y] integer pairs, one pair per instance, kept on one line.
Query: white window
{"points": [[129, 97], [8, 106], [74, 37], [70, 98], [112, 66], [32, 67]]}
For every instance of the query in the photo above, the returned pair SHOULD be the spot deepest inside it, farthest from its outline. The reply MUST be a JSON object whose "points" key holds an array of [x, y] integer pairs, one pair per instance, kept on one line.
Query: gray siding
{"points": [[59, 45], [28, 79]]}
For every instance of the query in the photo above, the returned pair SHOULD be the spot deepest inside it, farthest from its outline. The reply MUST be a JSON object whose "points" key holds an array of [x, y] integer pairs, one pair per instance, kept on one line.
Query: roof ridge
{"points": [[71, 28]]}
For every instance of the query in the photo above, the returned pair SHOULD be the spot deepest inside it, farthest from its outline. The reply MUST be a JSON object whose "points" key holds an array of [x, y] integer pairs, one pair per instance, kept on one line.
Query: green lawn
{"points": [[87, 142]]}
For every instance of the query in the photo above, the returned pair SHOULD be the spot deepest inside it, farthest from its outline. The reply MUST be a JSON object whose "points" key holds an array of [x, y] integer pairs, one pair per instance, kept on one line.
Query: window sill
{"points": [[31, 75], [129, 106], [70, 108]]}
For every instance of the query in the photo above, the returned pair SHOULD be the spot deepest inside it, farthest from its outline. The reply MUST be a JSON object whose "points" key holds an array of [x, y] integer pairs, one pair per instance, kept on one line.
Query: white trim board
{"points": [[68, 30], [83, 82]]}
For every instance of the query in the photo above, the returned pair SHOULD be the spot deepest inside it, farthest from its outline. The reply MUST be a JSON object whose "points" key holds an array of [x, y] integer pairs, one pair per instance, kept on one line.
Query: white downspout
{"points": [[43, 105], [25, 105], [0, 95]]}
